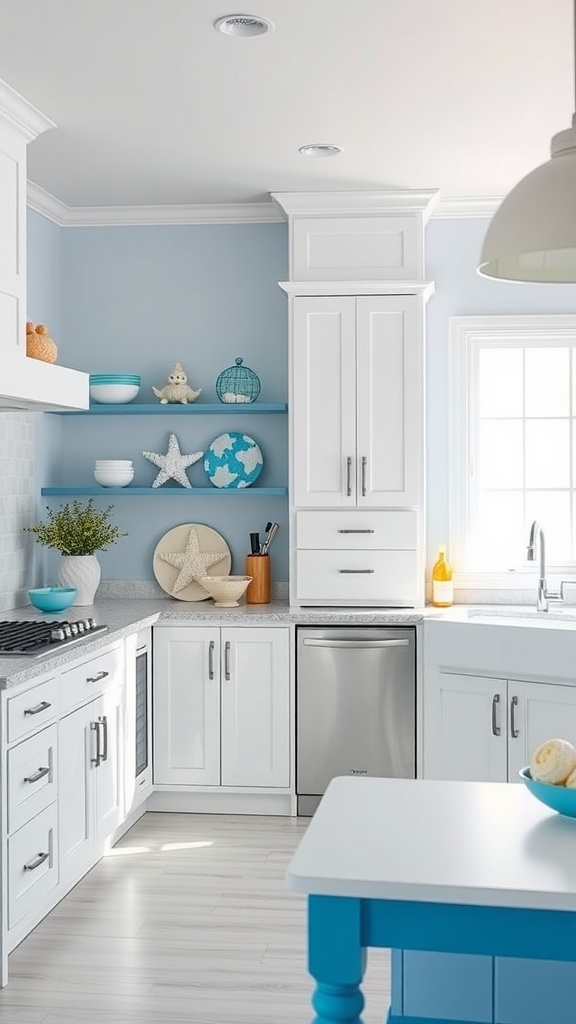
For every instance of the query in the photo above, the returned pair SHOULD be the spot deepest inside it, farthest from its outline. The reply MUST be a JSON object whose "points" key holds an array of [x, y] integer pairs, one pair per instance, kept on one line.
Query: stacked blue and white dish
{"points": [[114, 388]]}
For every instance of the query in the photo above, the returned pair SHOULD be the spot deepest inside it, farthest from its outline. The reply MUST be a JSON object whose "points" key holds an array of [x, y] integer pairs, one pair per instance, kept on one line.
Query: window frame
{"points": [[466, 335]]}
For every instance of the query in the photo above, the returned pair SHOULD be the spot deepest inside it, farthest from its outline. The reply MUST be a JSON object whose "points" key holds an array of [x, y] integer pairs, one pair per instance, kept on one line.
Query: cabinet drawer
{"points": [[32, 864], [91, 678], [357, 530], [375, 577], [32, 776], [31, 710]]}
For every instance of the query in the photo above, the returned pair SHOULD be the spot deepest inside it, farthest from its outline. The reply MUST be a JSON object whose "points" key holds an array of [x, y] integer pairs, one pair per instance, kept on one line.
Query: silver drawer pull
{"points": [[495, 727], [103, 721], [364, 461], [356, 645], [354, 531], [33, 864], [227, 660], [97, 678], [211, 660], [514, 731], [348, 477], [38, 708], [37, 775], [350, 571]]}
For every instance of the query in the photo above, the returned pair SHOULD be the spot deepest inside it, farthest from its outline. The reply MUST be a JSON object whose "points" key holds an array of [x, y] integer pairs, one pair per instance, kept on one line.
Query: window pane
{"points": [[548, 453], [552, 510], [500, 454], [500, 542], [547, 382], [500, 382]]}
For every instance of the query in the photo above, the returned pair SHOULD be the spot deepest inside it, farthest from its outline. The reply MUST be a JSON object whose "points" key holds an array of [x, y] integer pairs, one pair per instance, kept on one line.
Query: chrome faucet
{"points": [[537, 541]]}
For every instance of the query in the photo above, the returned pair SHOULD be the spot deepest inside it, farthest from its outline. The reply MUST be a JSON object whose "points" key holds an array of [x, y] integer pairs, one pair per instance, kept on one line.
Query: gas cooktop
{"points": [[36, 639]]}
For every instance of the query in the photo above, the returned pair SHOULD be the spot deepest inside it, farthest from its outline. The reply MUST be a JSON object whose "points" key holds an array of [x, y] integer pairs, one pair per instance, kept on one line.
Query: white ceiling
{"points": [[154, 107]]}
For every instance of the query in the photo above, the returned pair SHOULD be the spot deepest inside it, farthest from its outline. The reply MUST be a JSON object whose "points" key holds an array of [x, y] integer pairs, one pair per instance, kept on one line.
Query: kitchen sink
{"points": [[526, 615]]}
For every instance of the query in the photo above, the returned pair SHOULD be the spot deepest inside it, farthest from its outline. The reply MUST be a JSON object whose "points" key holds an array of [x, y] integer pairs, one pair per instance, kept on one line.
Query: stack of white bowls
{"points": [[113, 472], [114, 388]]}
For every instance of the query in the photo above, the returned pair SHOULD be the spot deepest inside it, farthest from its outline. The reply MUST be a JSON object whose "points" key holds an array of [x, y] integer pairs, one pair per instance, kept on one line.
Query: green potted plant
{"points": [[78, 531]]}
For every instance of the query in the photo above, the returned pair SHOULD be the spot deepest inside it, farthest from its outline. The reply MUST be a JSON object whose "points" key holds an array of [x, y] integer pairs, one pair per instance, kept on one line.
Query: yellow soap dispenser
{"points": [[442, 586]]}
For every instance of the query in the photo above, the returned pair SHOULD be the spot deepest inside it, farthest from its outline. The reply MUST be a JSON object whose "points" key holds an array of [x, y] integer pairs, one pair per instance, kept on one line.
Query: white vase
{"points": [[81, 572]]}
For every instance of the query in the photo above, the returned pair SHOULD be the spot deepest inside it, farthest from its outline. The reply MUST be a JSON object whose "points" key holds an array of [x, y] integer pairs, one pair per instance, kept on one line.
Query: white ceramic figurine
{"points": [[177, 389]]}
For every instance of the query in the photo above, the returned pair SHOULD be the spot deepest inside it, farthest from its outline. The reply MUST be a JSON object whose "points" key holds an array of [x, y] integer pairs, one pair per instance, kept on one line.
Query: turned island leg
{"points": [[336, 958]]}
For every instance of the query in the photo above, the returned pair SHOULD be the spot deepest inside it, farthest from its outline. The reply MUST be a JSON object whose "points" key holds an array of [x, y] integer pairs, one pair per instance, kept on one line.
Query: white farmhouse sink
{"points": [[566, 613]]}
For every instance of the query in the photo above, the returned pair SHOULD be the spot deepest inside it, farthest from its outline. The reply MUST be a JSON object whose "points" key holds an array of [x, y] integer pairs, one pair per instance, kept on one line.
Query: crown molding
{"points": [[126, 216], [423, 288], [243, 213], [327, 204], [467, 206], [30, 121]]}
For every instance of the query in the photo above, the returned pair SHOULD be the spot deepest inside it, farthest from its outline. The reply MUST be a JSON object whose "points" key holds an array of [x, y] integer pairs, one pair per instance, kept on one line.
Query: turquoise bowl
{"points": [[557, 797], [52, 599]]}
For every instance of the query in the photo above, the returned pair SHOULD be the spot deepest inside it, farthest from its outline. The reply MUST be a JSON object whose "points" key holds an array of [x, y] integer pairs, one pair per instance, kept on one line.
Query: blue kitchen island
{"points": [[472, 885]]}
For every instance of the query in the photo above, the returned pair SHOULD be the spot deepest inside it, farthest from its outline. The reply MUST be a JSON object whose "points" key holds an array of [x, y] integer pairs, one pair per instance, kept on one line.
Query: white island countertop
{"points": [[481, 844]]}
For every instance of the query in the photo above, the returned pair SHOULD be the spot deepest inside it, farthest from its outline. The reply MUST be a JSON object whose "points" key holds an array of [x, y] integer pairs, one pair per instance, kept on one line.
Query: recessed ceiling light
{"points": [[243, 25], [320, 149]]}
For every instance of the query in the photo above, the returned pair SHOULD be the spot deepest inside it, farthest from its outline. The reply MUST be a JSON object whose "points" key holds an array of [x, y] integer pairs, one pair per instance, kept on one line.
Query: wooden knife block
{"points": [[258, 567]]}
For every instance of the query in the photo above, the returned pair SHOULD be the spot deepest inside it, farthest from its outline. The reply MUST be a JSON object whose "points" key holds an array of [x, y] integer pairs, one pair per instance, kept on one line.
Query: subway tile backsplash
{"points": [[17, 505]]}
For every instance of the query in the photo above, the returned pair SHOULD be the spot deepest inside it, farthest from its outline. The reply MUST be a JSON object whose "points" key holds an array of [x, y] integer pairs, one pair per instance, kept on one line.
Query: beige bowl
{"points": [[225, 589]]}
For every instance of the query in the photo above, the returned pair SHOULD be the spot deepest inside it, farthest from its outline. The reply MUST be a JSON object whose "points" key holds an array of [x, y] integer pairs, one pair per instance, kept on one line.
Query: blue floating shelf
{"points": [[173, 492], [140, 409]]}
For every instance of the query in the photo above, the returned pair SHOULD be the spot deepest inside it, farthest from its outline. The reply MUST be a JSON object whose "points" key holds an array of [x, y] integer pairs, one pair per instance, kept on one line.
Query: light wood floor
{"points": [[187, 919]]}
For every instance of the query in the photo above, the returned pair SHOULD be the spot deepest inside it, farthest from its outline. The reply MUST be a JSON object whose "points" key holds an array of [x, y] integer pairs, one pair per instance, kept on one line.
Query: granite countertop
{"points": [[128, 615]]}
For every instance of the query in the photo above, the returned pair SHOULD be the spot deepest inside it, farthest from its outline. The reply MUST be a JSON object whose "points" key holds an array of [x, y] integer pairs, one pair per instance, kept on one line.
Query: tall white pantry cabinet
{"points": [[357, 324]]}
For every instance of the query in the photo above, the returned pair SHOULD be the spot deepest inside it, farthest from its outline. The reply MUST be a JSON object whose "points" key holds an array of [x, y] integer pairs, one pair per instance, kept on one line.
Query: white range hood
{"points": [[40, 387], [24, 383]]}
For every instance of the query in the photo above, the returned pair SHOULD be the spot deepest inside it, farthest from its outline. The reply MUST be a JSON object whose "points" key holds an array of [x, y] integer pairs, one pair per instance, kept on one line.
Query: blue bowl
{"points": [[557, 797], [52, 599]]}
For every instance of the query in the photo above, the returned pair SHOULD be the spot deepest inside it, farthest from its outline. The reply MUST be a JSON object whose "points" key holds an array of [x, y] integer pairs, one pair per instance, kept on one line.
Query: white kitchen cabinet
{"points": [[221, 707], [357, 410], [484, 729], [138, 720], [91, 786]]}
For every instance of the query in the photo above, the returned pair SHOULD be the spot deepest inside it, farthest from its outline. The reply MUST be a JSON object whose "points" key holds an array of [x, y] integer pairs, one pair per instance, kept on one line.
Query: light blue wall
{"points": [[452, 251], [138, 300]]}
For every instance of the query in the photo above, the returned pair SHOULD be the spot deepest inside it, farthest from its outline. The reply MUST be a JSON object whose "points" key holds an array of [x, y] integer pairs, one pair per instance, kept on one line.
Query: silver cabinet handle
{"points": [[364, 461], [514, 732], [97, 677], [33, 864], [104, 723], [211, 660], [348, 477], [354, 531], [37, 775], [356, 644], [351, 571], [496, 730], [227, 660], [38, 708], [95, 727]]}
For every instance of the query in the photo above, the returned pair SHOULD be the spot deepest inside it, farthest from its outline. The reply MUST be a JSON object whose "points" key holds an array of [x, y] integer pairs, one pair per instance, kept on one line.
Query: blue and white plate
{"points": [[233, 460]]}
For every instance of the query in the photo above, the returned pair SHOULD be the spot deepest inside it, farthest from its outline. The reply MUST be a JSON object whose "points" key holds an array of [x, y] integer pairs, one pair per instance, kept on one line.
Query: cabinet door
{"points": [[186, 706], [324, 401], [109, 774], [534, 991], [255, 707], [12, 240], [77, 840], [537, 711], [464, 727], [390, 402]]}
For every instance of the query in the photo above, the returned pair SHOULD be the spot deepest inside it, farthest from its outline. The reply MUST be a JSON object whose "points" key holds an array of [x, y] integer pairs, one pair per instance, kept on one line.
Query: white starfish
{"points": [[192, 562], [173, 465]]}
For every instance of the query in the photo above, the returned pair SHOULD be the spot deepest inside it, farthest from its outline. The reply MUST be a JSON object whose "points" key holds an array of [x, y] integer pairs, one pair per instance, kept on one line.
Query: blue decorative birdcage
{"points": [[238, 384]]}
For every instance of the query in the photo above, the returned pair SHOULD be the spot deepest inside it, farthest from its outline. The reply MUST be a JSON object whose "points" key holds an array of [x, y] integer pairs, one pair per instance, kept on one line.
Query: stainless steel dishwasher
{"points": [[355, 706]]}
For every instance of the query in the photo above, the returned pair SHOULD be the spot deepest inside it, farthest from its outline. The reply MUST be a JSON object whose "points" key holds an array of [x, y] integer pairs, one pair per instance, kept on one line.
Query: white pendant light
{"points": [[532, 236]]}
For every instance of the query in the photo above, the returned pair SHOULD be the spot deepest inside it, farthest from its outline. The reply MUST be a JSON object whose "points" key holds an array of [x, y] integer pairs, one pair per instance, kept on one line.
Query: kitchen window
{"points": [[512, 445]]}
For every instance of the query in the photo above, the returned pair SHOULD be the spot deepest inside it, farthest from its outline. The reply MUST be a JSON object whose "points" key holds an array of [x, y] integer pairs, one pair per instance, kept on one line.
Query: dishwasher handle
{"points": [[356, 644]]}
